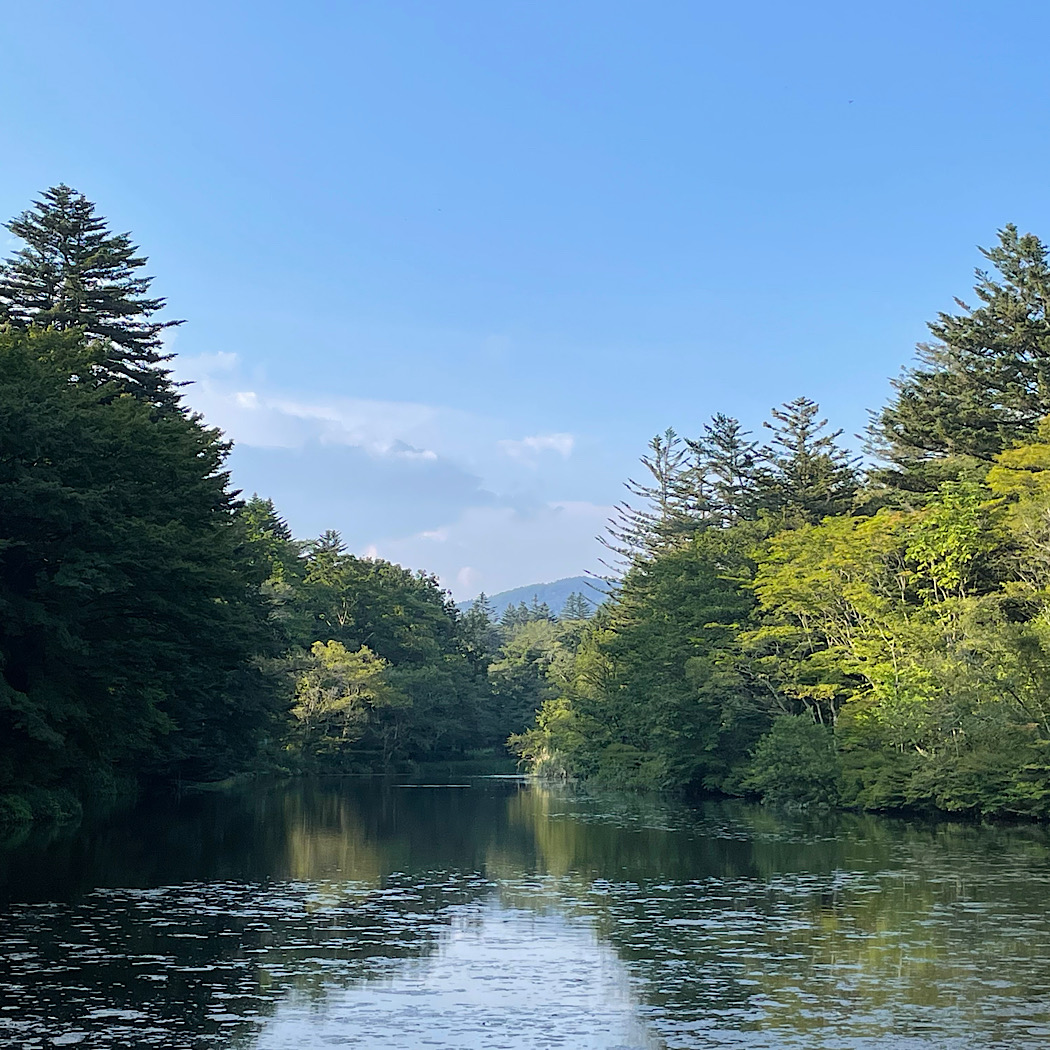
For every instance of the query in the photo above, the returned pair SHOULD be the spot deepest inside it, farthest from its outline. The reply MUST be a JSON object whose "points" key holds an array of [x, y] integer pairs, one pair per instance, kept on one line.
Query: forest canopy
{"points": [[795, 624], [788, 620], [155, 627]]}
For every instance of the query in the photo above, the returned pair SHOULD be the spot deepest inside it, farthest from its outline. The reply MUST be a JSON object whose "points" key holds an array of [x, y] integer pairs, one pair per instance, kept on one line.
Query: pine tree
{"points": [[728, 461], [132, 612], [272, 540], [672, 508], [983, 383], [514, 616], [805, 476], [479, 625], [74, 273], [576, 607], [482, 604]]}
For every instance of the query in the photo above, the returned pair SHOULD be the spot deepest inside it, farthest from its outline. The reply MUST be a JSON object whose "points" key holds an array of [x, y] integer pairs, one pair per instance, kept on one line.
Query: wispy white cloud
{"points": [[399, 448], [449, 491], [466, 581], [201, 365], [528, 448], [255, 416]]}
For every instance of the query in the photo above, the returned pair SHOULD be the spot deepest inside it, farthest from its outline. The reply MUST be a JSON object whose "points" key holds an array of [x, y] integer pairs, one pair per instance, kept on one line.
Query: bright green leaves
{"points": [[827, 629], [341, 698], [951, 544]]}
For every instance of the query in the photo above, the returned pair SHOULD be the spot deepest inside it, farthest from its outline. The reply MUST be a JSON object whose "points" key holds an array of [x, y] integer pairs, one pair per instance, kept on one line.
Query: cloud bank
{"points": [[427, 486]]}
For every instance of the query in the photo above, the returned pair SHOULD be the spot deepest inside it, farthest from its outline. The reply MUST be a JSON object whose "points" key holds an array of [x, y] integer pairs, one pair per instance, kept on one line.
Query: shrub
{"points": [[795, 763], [14, 810], [54, 806]]}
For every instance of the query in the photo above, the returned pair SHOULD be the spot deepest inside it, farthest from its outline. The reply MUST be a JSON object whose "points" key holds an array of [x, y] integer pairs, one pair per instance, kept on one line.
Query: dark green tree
{"points": [[73, 273], [656, 686], [577, 607], [667, 508], [130, 613], [982, 383], [411, 623], [479, 625], [280, 552], [514, 616], [728, 459], [805, 475]]}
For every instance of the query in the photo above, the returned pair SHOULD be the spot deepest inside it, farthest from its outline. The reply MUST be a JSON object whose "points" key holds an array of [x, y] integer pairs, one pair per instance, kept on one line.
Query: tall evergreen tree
{"points": [[577, 607], [514, 616], [479, 625], [805, 475], [269, 532], [484, 606], [671, 507], [129, 611], [727, 459], [73, 273], [983, 383]]}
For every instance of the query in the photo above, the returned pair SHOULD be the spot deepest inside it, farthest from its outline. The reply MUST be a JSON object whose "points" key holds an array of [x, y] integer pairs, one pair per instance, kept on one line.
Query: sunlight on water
{"points": [[501, 978]]}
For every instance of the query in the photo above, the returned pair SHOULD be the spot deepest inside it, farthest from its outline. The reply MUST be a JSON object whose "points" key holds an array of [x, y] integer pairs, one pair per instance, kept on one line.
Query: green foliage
{"points": [[804, 475], [480, 628], [410, 622], [728, 463], [343, 699], [53, 805], [776, 627], [813, 640], [126, 606], [531, 664], [953, 542], [14, 810], [577, 607], [515, 616], [669, 505], [982, 383], [151, 625], [670, 635], [795, 763], [74, 275]]}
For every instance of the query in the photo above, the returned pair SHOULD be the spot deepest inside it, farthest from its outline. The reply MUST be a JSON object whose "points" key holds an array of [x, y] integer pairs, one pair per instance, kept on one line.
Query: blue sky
{"points": [[447, 266]]}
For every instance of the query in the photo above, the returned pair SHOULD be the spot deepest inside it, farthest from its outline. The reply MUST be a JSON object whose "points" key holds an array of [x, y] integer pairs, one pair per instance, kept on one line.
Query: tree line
{"points": [[795, 623], [154, 626], [789, 621]]}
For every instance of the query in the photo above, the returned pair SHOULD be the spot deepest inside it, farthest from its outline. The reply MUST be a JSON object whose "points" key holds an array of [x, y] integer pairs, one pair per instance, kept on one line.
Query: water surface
{"points": [[498, 914]]}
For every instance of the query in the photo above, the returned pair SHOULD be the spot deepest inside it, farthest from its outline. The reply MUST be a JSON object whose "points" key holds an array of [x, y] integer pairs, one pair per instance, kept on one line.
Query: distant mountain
{"points": [[554, 594]]}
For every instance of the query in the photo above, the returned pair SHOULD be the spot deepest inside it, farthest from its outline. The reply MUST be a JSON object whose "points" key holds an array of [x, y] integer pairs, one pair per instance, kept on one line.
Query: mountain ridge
{"points": [[553, 593]]}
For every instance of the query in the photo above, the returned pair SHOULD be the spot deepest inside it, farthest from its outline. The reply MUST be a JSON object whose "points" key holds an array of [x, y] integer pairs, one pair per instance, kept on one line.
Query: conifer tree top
{"points": [[74, 273]]}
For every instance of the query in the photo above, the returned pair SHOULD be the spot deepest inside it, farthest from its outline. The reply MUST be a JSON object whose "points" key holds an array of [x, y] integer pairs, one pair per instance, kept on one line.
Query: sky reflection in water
{"points": [[353, 913]]}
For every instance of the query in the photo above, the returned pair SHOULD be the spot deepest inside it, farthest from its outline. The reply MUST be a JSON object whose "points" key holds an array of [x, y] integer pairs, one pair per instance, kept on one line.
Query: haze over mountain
{"points": [[554, 594]]}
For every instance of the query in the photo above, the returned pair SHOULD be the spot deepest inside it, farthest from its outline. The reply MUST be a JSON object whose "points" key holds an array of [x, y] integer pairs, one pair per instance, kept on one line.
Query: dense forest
{"points": [[155, 628], [788, 621], [798, 624]]}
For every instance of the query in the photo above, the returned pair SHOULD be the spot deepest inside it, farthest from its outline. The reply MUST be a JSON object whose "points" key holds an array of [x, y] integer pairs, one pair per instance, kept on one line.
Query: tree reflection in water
{"points": [[367, 913]]}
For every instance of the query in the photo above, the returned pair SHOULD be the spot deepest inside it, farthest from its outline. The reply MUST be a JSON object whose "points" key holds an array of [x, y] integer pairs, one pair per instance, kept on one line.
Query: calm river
{"points": [[358, 913]]}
